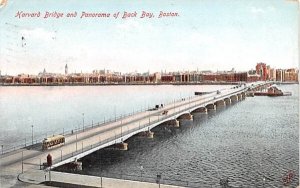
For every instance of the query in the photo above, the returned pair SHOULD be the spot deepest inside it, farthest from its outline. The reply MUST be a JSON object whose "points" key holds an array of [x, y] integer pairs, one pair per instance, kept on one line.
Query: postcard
{"points": [[149, 93]]}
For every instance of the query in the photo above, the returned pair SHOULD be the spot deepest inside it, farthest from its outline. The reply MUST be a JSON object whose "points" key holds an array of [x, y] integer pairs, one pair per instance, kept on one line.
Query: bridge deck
{"points": [[81, 144]]}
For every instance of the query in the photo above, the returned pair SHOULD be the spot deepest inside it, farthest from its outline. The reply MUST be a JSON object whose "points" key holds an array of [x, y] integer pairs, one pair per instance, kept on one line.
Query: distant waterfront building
{"points": [[287, 75], [157, 77], [261, 69], [262, 72], [253, 76], [66, 69], [272, 74], [225, 77], [279, 75], [291, 75]]}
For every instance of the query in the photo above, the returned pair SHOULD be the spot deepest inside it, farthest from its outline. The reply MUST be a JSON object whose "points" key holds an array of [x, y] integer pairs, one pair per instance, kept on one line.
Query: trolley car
{"points": [[53, 141]]}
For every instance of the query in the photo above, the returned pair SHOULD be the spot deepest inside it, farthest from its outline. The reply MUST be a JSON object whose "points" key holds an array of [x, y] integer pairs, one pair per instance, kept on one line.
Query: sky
{"points": [[206, 35]]}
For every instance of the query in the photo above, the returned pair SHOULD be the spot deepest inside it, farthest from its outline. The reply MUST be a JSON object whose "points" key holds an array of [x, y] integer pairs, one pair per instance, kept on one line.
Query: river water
{"points": [[253, 143], [53, 110]]}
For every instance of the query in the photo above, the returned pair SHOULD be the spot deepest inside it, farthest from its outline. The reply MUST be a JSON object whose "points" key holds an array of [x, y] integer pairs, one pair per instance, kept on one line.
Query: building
{"points": [[272, 75], [262, 71], [66, 69], [279, 75], [291, 75]]}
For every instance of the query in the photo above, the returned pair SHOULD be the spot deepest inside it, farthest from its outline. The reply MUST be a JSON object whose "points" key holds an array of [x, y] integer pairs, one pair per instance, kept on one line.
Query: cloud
{"points": [[260, 11], [38, 33], [256, 10], [197, 38], [129, 25]]}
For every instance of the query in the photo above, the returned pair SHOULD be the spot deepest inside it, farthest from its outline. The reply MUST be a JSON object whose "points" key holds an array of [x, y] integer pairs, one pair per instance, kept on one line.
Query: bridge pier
{"points": [[211, 107], [243, 95], [186, 116], [239, 97], [227, 101], [172, 123], [250, 94], [147, 134], [201, 110], [75, 165], [122, 146], [220, 103], [234, 98]]}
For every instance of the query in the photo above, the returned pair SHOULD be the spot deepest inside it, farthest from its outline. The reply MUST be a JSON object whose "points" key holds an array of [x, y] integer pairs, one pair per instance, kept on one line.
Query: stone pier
{"points": [[234, 98], [239, 97], [227, 101], [122, 146], [211, 107], [201, 110], [220, 103], [250, 94], [186, 116], [172, 123], [243, 95], [147, 134]]}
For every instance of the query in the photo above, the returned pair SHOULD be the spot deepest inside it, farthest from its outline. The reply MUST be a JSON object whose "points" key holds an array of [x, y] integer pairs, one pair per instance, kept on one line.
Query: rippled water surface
{"points": [[253, 143]]}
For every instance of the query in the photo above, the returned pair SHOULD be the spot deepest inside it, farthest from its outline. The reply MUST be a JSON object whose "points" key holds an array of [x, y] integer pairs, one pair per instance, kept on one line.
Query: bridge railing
{"points": [[144, 176], [80, 144], [29, 143]]}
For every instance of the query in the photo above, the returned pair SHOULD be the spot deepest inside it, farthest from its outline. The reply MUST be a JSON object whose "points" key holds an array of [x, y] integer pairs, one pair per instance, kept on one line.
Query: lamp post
{"points": [[121, 130], [76, 141], [115, 113], [158, 178], [82, 121], [174, 105], [141, 168], [32, 134], [22, 163]]}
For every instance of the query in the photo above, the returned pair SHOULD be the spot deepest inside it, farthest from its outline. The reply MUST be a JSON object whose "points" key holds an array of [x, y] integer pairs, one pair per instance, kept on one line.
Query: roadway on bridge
{"points": [[11, 163]]}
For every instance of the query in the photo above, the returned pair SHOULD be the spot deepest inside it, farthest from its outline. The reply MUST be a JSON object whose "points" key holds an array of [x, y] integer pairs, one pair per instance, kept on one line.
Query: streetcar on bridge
{"points": [[53, 141]]}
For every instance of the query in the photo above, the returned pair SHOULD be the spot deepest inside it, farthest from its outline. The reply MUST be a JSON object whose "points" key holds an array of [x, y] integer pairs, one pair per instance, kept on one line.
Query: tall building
{"points": [[66, 69], [291, 75], [279, 75], [261, 70], [272, 75]]}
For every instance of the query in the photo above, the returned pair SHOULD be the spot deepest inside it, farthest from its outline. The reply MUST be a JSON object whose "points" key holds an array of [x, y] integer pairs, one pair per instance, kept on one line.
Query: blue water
{"points": [[53, 110], [253, 143]]}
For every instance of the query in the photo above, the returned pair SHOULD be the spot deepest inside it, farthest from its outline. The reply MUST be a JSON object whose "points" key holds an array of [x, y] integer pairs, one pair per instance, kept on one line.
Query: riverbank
{"points": [[132, 84], [60, 179], [120, 84]]}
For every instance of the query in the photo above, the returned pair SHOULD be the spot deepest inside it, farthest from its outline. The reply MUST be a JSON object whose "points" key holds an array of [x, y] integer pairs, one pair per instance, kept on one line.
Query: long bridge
{"points": [[82, 143]]}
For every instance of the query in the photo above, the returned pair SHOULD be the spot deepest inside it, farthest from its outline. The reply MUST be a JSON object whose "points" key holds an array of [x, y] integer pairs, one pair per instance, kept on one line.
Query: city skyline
{"points": [[208, 35], [262, 72], [66, 70]]}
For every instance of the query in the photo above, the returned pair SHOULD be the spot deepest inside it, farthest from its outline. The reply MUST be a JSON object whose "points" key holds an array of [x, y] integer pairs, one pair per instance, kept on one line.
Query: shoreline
{"points": [[136, 84], [122, 84]]}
